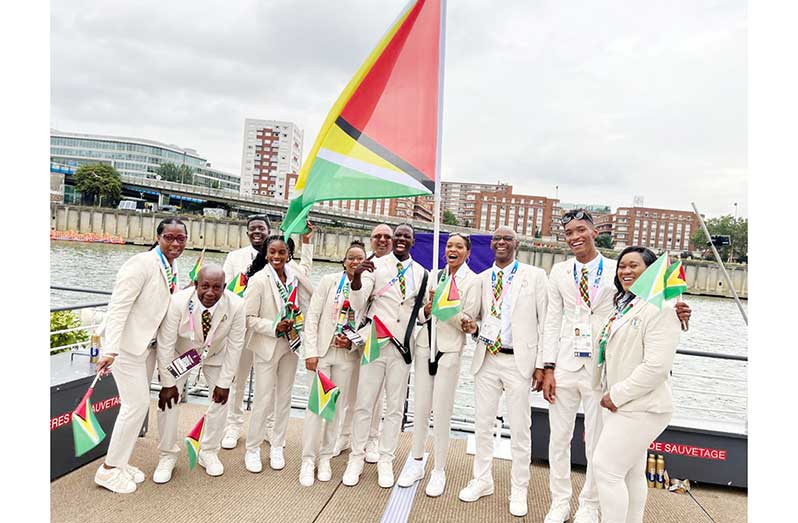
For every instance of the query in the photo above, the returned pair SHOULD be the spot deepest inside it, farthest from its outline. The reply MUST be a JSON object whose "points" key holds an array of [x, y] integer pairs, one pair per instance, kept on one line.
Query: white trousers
{"points": [[499, 373], [132, 375], [572, 388], [274, 381], [235, 411], [619, 463], [392, 368], [170, 443], [318, 435], [349, 411], [434, 393]]}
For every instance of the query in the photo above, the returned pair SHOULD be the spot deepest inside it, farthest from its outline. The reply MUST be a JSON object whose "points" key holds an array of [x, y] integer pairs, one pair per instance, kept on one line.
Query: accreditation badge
{"points": [[183, 364], [583, 340], [490, 329]]}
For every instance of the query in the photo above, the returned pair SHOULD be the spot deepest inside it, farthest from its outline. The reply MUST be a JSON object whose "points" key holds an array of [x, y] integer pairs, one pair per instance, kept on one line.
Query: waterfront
{"points": [[703, 388]]}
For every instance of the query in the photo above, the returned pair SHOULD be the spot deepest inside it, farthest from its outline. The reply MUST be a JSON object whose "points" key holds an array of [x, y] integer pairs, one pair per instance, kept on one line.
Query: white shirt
{"points": [[507, 330], [201, 307]]}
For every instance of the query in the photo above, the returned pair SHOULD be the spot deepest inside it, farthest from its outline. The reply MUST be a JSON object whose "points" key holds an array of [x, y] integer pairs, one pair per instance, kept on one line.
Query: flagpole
{"points": [[436, 207]]}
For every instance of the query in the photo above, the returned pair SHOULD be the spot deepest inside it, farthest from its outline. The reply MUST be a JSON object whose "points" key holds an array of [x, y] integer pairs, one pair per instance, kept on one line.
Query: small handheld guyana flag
{"points": [[193, 442], [379, 336], [86, 430], [238, 284], [675, 281], [197, 266], [323, 396], [650, 285], [447, 299]]}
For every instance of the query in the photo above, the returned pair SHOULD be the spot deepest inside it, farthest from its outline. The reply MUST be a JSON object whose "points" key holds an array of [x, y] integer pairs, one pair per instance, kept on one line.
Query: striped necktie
{"points": [[206, 323], [496, 310], [402, 282], [583, 287]]}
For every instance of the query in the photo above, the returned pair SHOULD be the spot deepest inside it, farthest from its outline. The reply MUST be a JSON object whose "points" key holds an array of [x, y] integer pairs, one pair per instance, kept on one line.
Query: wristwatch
{"points": [[548, 366]]}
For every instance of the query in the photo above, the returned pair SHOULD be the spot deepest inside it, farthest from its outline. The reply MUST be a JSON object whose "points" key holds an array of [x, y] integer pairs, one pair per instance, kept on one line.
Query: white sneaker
{"points": [[252, 461], [558, 513], [340, 445], [385, 474], [135, 474], [324, 472], [163, 472], [518, 506], [276, 459], [115, 480], [306, 473], [412, 473], [372, 451], [436, 484], [586, 514], [210, 462], [475, 489], [230, 439], [352, 473]]}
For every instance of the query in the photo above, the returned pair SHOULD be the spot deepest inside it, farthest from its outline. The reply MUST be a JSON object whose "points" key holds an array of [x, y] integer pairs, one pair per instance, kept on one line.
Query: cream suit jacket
{"points": [[563, 301], [639, 358], [449, 335], [239, 260], [528, 299], [228, 328], [391, 308], [320, 325], [138, 305]]}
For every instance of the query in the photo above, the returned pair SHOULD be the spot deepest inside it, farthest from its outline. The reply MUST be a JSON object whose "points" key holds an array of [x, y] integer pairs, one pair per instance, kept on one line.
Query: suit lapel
{"points": [[518, 282], [278, 300], [618, 324], [219, 316], [161, 267]]}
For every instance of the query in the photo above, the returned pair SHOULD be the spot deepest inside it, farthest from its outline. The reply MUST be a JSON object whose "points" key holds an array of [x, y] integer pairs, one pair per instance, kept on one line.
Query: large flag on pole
{"points": [[380, 139]]}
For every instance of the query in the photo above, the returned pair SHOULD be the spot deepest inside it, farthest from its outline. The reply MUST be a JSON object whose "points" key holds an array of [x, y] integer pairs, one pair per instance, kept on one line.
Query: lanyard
{"points": [[285, 290], [506, 285], [171, 276], [338, 303], [596, 282], [191, 325], [393, 281], [623, 308]]}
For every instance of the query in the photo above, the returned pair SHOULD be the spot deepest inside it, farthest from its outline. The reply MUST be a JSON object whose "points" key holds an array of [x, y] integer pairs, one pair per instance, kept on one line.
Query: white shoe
{"points": [[586, 514], [340, 446], [385, 474], [230, 439], [518, 506], [412, 473], [558, 513], [115, 480], [276, 459], [324, 472], [352, 473], [210, 462], [436, 484], [163, 472], [306, 474], [475, 489], [252, 461], [372, 451], [135, 474]]}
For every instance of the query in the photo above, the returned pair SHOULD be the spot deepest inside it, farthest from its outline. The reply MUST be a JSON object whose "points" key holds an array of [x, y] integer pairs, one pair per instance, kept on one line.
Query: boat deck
{"points": [[242, 497]]}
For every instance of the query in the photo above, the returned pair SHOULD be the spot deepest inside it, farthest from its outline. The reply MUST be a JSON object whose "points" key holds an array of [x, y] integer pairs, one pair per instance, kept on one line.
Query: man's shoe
{"points": [[306, 474], [558, 513], [372, 451], [476, 489], [352, 473], [252, 461], [163, 472], [411, 473], [385, 474], [210, 462], [518, 506], [230, 439], [324, 472], [586, 514], [115, 480], [135, 474], [436, 484], [340, 445], [276, 459]]}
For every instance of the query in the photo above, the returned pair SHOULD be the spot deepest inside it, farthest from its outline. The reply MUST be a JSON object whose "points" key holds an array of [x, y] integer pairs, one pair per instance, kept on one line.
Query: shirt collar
{"points": [[504, 270], [592, 265], [253, 252], [201, 307]]}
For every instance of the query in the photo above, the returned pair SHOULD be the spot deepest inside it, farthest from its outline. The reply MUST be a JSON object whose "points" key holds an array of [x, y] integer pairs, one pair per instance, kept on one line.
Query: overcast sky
{"points": [[606, 100]]}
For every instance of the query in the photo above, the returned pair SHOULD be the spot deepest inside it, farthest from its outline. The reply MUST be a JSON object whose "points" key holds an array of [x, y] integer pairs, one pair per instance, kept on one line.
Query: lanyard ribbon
{"points": [[596, 282], [211, 333], [505, 285], [393, 281], [171, 276], [620, 311], [342, 313]]}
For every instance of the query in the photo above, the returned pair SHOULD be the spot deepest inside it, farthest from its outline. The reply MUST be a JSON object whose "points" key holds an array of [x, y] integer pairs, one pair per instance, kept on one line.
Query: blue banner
{"points": [[481, 254]]}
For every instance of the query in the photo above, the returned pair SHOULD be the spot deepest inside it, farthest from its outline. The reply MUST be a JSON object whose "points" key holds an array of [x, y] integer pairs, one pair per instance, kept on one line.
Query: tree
{"points": [[449, 218], [176, 173], [604, 241], [98, 179], [737, 230]]}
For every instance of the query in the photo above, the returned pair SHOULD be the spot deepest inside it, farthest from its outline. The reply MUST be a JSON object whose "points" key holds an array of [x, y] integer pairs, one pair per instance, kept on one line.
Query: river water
{"points": [[703, 388]]}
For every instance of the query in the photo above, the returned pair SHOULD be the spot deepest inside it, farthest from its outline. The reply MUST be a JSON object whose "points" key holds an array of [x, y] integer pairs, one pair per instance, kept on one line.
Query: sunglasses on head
{"points": [[578, 215]]}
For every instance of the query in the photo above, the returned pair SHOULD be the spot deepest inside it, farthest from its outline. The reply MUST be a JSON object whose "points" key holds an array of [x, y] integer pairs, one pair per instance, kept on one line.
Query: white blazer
{"points": [[320, 325], [639, 358], [449, 334], [528, 302], [138, 304], [239, 260], [228, 328], [563, 302]]}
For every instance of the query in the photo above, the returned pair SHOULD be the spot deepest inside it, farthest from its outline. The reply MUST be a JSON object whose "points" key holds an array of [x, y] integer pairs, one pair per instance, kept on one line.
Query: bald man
{"points": [[212, 321]]}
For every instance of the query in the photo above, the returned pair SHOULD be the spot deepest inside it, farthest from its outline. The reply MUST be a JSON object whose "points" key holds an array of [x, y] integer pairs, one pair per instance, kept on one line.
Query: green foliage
{"points": [[449, 218], [176, 173], [98, 180], [604, 241], [63, 320], [737, 230]]}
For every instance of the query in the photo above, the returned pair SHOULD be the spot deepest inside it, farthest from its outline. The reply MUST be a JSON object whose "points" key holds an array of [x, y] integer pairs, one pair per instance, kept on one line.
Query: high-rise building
{"points": [[658, 229], [271, 152], [526, 215], [455, 198]]}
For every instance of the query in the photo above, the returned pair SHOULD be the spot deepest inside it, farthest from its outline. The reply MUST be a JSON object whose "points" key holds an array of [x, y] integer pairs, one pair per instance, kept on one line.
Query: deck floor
{"points": [[242, 497]]}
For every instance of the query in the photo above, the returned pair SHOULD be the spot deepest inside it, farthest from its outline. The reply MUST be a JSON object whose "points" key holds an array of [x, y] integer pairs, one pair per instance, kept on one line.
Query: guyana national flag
{"points": [[380, 139], [379, 336], [86, 430], [650, 286], [323, 396], [193, 441], [197, 266], [447, 299], [238, 284], [675, 281]]}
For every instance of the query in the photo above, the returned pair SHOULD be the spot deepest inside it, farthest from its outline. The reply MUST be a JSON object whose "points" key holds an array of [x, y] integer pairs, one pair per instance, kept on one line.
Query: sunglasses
{"points": [[578, 215]]}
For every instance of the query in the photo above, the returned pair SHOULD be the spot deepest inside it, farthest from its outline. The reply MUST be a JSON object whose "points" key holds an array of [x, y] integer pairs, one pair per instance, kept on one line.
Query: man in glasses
{"points": [[513, 309]]}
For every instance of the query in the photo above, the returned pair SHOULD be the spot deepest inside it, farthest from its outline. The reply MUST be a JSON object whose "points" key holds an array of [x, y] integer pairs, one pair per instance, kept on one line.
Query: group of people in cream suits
{"points": [[578, 335]]}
